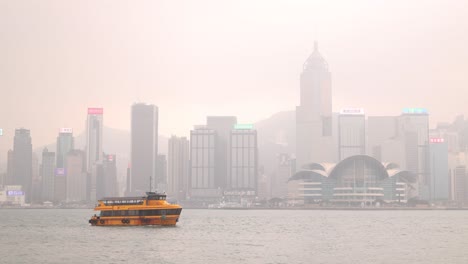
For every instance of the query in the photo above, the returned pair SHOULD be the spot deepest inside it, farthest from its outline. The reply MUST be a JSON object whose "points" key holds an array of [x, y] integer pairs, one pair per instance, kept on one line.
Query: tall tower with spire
{"points": [[314, 139]]}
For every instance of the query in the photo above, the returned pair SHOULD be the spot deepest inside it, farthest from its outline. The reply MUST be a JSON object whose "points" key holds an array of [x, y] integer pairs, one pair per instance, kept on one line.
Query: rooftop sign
{"points": [[15, 193], [436, 140], [352, 111], [415, 111], [95, 111], [243, 126], [66, 130], [60, 171]]}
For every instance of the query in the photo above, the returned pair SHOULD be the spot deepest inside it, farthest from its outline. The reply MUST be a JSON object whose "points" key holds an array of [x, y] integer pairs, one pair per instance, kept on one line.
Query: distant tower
{"points": [[76, 176], [178, 167], [243, 163], [65, 143], [144, 147], [22, 161], [314, 114], [93, 147], [351, 133], [48, 175], [414, 130]]}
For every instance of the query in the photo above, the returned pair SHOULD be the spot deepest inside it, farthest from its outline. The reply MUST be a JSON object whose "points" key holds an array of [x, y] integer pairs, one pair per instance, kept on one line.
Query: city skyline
{"points": [[375, 58]]}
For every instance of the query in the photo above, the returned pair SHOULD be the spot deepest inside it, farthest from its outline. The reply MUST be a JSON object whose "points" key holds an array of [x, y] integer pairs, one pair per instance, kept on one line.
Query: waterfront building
{"points": [[144, 147], [10, 166], [223, 126], [242, 178], [94, 131], [460, 194], [22, 162], [65, 143], [314, 125], [357, 181], [351, 133], [202, 164], [107, 177], [161, 173], [48, 175], [76, 176], [279, 180], [414, 131], [439, 176], [178, 167], [381, 130], [12, 195]]}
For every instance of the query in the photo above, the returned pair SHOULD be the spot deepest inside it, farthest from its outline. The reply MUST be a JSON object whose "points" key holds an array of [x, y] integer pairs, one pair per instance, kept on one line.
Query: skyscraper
{"points": [[242, 179], [94, 129], [48, 175], [65, 143], [106, 182], [76, 176], [352, 133], [223, 126], [161, 173], [314, 114], [381, 129], [144, 147], [414, 130], [439, 180], [22, 162], [202, 164], [178, 167]]}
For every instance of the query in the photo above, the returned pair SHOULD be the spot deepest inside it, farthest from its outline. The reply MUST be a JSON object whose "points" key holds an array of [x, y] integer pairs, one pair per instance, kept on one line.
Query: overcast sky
{"points": [[242, 58]]}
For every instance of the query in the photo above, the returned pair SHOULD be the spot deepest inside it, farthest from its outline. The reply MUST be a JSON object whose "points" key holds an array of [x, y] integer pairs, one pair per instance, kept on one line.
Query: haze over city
{"points": [[243, 58]]}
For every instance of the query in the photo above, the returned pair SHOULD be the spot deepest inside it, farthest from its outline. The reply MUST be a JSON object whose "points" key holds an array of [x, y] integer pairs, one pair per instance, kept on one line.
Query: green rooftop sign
{"points": [[243, 126], [415, 111]]}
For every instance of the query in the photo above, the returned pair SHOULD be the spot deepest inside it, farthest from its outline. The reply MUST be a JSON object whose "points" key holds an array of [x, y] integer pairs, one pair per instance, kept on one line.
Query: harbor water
{"points": [[238, 236]]}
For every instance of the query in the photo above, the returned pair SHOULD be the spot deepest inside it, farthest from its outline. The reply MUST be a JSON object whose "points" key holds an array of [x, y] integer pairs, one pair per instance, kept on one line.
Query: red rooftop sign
{"points": [[95, 111], [436, 140]]}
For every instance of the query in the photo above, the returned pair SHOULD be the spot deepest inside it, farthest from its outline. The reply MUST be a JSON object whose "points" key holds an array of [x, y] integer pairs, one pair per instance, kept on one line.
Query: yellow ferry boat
{"points": [[152, 209]]}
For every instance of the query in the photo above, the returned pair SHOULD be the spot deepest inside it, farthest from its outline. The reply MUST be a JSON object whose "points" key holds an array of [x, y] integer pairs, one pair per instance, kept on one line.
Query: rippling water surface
{"points": [[239, 236]]}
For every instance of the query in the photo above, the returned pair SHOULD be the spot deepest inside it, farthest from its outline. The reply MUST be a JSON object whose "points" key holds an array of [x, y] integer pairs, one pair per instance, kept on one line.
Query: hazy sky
{"points": [[243, 58]]}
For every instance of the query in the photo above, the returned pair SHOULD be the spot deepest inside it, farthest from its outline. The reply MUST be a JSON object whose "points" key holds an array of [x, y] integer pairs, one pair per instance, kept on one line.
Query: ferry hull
{"points": [[169, 220]]}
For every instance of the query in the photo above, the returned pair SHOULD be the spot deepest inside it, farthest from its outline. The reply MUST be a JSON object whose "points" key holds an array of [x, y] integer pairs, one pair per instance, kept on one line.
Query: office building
{"points": [[76, 176], [382, 130], [65, 143], [107, 177], [48, 175], [414, 131], [223, 126], [314, 125], [352, 133], [94, 131], [202, 164], [161, 173], [178, 167], [460, 183], [22, 162], [144, 147], [439, 177], [242, 178]]}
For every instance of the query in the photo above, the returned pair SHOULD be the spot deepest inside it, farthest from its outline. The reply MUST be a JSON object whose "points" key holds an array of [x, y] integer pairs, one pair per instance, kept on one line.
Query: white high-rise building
{"points": [[94, 131], [178, 167], [314, 126]]}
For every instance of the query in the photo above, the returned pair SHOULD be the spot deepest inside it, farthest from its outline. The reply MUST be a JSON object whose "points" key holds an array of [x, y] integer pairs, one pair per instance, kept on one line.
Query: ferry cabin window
{"points": [[141, 212]]}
